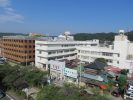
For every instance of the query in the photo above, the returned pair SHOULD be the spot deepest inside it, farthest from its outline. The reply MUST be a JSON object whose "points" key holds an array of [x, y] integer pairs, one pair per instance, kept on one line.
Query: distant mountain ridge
{"points": [[11, 34], [100, 36]]}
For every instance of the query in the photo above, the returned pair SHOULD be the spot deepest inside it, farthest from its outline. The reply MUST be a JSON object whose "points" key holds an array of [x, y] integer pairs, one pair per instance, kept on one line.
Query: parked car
{"points": [[130, 87], [116, 93], [2, 94], [128, 96], [129, 92]]}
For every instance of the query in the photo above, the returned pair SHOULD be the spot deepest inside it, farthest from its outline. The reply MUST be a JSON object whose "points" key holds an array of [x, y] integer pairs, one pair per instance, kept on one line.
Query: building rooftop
{"points": [[19, 37], [96, 65], [71, 63], [94, 77]]}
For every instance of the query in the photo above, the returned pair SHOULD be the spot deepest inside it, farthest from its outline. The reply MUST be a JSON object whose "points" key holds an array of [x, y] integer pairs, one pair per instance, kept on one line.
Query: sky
{"points": [[57, 16]]}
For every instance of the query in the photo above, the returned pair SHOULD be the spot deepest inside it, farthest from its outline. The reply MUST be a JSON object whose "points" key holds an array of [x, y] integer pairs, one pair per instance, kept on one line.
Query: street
{"points": [[7, 98]]}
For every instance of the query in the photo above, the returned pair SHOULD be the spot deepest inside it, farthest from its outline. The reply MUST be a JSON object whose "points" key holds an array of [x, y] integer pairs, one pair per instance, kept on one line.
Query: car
{"points": [[129, 92], [2, 94], [116, 93], [130, 87], [128, 96]]}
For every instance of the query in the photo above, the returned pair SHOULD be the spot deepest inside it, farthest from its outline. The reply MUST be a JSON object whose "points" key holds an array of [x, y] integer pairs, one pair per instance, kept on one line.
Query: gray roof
{"points": [[96, 65], [94, 77]]}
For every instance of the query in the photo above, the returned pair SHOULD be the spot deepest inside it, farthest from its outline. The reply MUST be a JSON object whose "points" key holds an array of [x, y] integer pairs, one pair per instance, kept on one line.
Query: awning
{"points": [[103, 86]]}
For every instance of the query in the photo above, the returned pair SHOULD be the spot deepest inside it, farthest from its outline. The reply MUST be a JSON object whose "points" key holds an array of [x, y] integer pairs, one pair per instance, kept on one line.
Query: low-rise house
{"points": [[94, 68], [94, 74], [57, 69], [92, 79], [62, 71]]}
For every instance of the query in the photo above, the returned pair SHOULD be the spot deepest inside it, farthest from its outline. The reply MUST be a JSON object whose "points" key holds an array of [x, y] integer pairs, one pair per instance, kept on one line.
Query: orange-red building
{"points": [[19, 49]]}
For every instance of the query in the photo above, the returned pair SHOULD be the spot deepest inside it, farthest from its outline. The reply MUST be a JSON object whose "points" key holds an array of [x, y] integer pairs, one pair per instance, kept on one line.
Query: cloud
{"points": [[4, 3], [9, 14]]}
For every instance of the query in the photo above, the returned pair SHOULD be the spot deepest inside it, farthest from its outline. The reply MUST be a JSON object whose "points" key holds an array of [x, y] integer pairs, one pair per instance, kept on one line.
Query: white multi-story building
{"points": [[62, 47], [120, 54]]}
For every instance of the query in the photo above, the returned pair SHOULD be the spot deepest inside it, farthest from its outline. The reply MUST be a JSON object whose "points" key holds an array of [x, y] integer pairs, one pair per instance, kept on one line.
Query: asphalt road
{"points": [[7, 97]]}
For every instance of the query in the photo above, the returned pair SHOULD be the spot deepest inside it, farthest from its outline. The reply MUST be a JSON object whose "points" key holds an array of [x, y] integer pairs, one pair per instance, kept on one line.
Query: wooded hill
{"points": [[10, 34], [100, 36]]}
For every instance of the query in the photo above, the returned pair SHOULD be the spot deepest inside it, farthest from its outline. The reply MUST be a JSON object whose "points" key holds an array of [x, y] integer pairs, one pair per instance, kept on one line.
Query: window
{"points": [[49, 53], [29, 46], [117, 62], [40, 52]]}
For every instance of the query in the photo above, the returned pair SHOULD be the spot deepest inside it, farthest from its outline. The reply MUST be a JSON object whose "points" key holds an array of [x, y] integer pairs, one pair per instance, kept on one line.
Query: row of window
{"points": [[60, 51], [96, 53], [23, 57], [19, 51], [57, 52], [20, 46], [86, 57], [93, 58], [69, 72], [54, 67], [20, 41], [60, 57], [68, 45]]}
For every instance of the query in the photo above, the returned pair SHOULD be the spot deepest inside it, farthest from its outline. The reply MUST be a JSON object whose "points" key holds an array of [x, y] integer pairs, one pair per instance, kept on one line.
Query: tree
{"points": [[100, 36], [124, 71], [122, 83], [101, 60], [67, 92]]}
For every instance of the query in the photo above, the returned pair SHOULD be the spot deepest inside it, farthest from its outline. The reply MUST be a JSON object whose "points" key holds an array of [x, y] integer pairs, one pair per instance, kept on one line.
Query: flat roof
{"points": [[19, 37]]}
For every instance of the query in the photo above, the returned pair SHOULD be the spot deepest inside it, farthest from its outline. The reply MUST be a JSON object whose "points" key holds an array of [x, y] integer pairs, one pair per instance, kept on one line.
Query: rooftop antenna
{"points": [[121, 32], [67, 34]]}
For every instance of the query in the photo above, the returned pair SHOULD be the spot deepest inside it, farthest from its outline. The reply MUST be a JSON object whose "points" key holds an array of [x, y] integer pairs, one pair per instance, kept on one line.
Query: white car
{"points": [[130, 87], [128, 96], [129, 92]]}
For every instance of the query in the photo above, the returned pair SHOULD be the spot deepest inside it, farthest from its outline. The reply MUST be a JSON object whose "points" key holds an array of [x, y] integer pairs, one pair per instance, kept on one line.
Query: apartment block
{"points": [[20, 49]]}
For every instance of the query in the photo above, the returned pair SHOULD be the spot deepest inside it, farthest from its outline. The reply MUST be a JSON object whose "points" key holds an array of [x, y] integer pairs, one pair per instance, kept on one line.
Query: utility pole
{"points": [[79, 78], [80, 72], [26, 59]]}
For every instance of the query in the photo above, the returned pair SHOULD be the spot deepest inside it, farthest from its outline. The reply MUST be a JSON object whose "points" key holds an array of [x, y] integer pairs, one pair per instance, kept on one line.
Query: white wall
{"points": [[70, 72]]}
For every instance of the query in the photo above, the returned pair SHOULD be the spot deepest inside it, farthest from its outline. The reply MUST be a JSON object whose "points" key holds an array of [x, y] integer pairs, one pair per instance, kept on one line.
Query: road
{"points": [[115, 98], [7, 98]]}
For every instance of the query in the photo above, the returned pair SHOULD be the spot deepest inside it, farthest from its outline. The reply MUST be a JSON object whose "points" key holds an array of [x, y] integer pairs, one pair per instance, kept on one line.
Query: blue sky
{"points": [[57, 16]]}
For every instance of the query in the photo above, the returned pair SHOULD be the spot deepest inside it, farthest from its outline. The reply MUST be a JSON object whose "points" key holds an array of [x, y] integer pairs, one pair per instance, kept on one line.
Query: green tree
{"points": [[124, 71], [122, 81], [101, 60], [67, 92]]}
